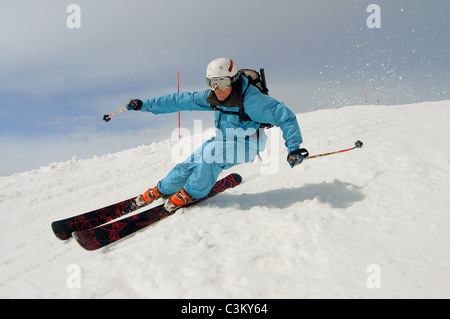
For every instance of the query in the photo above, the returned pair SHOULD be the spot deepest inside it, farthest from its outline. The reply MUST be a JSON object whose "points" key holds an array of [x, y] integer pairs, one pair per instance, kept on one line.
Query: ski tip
{"points": [[59, 232], [236, 177], [83, 239]]}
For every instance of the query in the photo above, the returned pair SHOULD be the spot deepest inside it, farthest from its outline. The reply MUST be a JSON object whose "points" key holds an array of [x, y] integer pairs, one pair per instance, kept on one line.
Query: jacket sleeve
{"points": [[265, 109], [176, 102]]}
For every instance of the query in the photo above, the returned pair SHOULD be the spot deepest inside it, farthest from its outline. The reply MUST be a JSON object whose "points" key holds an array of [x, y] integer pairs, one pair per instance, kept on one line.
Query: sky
{"points": [[56, 82]]}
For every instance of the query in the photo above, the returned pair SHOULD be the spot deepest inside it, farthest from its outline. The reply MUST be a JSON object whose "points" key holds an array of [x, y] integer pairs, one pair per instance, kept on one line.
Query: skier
{"points": [[194, 178]]}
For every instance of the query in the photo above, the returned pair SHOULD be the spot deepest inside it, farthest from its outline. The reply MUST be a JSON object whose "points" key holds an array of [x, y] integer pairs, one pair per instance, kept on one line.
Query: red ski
{"points": [[103, 235], [64, 228]]}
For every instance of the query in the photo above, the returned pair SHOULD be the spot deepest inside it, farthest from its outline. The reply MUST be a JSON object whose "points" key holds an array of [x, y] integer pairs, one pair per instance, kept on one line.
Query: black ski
{"points": [[64, 228], [95, 238]]}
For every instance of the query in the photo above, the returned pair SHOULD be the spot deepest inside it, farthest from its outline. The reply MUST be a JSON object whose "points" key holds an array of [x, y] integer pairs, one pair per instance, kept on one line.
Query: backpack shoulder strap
{"points": [[242, 115]]}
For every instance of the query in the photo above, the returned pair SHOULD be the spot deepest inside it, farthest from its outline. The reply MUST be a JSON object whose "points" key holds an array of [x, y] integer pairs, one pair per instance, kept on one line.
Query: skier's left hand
{"points": [[296, 157]]}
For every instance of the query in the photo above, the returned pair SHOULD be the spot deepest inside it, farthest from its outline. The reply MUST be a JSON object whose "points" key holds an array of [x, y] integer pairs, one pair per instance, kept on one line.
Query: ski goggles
{"points": [[221, 83]]}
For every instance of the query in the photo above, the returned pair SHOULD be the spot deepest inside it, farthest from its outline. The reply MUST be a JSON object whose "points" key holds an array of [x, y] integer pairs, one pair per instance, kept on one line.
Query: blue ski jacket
{"points": [[259, 107]]}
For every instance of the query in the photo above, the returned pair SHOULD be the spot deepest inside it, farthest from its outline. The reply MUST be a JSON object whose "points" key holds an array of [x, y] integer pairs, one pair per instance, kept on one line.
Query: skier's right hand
{"points": [[134, 105]]}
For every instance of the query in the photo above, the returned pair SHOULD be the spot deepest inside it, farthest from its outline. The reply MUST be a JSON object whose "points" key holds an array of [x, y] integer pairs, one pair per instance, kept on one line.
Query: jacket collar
{"points": [[232, 100]]}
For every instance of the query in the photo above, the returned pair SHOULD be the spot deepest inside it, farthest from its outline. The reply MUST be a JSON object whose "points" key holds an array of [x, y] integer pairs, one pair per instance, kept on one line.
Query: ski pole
{"points": [[358, 144], [107, 117]]}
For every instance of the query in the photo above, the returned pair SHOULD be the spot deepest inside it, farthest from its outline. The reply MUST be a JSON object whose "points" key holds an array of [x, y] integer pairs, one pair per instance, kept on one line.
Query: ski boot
{"points": [[178, 200], [149, 196]]}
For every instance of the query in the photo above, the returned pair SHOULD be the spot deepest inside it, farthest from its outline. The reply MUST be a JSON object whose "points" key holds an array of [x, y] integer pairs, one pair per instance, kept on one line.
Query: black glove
{"points": [[296, 157], [134, 104]]}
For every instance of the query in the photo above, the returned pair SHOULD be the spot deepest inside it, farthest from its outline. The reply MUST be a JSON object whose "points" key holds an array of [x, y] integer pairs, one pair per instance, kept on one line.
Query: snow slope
{"points": [[370, 223]]}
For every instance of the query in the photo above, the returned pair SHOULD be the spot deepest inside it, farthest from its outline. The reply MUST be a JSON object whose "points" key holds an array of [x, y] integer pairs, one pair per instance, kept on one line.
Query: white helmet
{"points": [[221, 67]]}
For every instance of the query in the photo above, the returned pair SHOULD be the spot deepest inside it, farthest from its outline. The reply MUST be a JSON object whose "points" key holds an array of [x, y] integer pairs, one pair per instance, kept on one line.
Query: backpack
{"points": [[259, 81], [256, 79]]}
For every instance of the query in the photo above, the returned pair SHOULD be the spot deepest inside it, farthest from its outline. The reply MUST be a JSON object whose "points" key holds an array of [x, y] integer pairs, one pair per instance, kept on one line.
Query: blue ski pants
{"points": [[200, 171]]}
